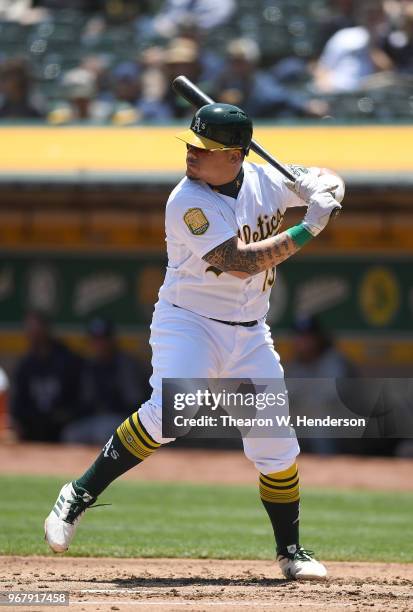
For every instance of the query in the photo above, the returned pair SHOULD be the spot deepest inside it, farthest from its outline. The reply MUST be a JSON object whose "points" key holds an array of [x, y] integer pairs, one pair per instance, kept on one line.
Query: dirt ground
{"points": [[220, 467], [188, 584], [204, 585]]}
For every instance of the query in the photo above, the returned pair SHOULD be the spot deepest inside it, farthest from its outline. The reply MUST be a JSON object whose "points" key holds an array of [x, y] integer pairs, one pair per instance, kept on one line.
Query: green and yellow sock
{"points": [[280, 495], [130, 445]]}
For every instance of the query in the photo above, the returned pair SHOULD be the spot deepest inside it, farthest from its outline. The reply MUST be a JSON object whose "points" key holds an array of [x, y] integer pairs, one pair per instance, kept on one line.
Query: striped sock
{"points": [[280, 495], [129, 446], [135, 438]]}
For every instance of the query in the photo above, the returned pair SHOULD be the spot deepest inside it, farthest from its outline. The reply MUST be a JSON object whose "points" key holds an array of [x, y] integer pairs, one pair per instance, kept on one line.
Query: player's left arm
{"points": [[243, 260]]}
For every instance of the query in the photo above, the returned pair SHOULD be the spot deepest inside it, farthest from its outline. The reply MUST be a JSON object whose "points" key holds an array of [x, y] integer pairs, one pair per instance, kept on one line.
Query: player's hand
{"points": [[306, 185], [320, 207]]}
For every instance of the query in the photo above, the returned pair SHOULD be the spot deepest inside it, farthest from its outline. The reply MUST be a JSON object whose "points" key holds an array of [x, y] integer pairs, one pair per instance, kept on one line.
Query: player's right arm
{"points": [[243, 260]]}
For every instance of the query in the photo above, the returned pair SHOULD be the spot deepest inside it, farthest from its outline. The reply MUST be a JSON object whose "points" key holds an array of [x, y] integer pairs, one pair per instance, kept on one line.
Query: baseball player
{"points": [[222, 224]]}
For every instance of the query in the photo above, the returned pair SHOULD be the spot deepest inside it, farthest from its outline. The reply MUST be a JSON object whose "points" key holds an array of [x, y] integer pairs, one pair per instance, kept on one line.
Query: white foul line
{"points": [[187, 602], [195, 602]]}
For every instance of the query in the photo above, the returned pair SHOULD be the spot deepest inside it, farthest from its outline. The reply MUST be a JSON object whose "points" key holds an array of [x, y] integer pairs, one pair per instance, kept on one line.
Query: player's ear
{"points": [[235, 156]]}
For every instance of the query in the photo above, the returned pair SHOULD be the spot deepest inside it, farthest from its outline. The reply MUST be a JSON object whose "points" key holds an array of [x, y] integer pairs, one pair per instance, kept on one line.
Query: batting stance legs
{"points": [[227, 352]]}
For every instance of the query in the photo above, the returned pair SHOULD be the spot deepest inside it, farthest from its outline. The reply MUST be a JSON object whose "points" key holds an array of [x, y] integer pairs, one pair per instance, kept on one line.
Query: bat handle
{"points": [[284, 170]]}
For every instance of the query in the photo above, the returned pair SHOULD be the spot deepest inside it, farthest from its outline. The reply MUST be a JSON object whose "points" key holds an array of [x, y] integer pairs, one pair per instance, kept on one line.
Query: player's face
{"points": [[213, 167]]}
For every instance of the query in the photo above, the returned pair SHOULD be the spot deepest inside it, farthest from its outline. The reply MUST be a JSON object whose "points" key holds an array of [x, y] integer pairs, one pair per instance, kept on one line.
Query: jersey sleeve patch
{"points": [[196, 221]]}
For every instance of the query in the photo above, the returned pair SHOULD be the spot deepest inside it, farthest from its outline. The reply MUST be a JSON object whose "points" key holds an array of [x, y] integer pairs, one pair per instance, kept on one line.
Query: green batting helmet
{"points": [[219, 126]]}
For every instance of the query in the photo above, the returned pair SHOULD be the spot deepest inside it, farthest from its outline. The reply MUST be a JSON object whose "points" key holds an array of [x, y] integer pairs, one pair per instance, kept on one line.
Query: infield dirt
{"points": [[189, 584]]}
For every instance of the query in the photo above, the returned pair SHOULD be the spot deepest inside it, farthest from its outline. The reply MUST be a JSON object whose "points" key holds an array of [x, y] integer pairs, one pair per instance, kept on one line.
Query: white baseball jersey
{"points": [[198, 219]]}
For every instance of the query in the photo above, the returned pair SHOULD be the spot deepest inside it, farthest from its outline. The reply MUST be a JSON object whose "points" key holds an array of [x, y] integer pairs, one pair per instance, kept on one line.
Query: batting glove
{"points": [[305, 186], [320, 207]]}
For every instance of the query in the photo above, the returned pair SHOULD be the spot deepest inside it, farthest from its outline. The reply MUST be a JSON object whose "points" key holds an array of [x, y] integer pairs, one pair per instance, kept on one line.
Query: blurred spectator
{"points": [[352, 54], [4, 401], [151, 106], [340, 16], [99, 65], [126, 82], [126, 92], [362, 43], [16, 94], [45, 389], [244, 85], [211, 61], [207, 14], [398, 43], [181, 56], [293, 72], [79, 104], [114, 385], [315, 357], [22, 11], [136, 99], [125, 103]]}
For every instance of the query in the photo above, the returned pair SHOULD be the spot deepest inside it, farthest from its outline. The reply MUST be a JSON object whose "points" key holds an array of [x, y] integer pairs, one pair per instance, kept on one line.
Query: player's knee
{"points": [[150, 415], [269, 455]]}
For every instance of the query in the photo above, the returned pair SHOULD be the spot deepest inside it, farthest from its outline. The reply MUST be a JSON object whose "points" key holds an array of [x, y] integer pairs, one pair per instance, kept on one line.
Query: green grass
{"points": [[222, 522]]}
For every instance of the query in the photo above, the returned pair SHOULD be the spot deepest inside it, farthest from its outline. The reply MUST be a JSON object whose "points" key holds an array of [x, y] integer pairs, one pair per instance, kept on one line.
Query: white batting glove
{"points": [[305, 186], [328, 180], [320, 207]]}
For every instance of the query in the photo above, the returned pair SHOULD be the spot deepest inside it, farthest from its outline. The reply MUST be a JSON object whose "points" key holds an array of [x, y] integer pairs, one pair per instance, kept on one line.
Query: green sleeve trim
{"points": [[299, 234]]}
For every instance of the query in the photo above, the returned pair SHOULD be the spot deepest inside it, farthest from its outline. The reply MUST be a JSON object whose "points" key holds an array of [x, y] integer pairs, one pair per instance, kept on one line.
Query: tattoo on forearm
{"points": [[235, 256]]}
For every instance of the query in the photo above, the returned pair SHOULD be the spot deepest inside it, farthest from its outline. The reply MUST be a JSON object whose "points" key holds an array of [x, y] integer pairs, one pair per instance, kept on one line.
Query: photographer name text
{"points": [[278, 421]]}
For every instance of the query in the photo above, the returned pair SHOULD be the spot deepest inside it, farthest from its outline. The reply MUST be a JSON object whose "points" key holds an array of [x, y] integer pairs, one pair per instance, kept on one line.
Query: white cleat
{"points": [[61, 524], [301, 565]]}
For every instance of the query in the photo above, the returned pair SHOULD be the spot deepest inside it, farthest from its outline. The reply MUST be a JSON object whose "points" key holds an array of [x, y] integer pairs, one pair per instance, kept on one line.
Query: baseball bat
{"points": [[188, 90]]}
